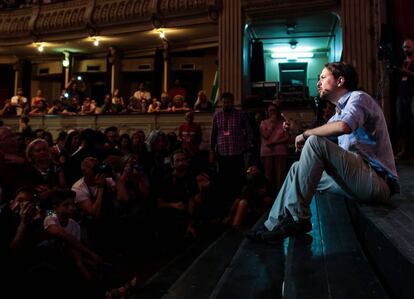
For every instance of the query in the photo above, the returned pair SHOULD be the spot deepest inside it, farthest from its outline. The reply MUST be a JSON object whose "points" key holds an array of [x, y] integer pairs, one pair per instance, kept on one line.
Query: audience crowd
{"points": [[74, 101], [70, 207]]}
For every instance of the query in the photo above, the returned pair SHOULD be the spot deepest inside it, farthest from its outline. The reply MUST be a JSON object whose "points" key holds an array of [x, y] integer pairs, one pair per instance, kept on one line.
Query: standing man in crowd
{"points": [[405, 101], [19, 102], [361, 166], [231, 137]]}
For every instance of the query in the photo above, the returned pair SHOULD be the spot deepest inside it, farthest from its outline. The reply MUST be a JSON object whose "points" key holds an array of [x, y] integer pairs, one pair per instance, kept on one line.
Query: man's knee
{"points": [[317, 143]]}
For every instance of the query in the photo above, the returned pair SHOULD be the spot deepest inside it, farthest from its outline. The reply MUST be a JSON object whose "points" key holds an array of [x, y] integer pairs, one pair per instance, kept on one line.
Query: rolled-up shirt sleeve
{"points": [[353, 114]]}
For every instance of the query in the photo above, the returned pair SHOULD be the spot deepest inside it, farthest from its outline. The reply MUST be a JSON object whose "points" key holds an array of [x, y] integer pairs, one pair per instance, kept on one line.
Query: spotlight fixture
{"points": [[161, 33], [95, 40], [40, 46], [65, 61], [293, 44]]}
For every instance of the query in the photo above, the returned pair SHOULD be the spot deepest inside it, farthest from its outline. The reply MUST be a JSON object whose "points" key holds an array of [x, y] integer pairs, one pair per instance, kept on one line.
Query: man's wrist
{"points": [[305, 136]]}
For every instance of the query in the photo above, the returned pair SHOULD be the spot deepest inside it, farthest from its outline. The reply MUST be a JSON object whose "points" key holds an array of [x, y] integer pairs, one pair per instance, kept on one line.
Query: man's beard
{"points": [[408, 53]]}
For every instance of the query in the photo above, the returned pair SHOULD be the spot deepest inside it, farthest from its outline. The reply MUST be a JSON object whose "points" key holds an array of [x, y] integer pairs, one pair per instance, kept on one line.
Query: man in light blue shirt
{"points": [[360, 166]]}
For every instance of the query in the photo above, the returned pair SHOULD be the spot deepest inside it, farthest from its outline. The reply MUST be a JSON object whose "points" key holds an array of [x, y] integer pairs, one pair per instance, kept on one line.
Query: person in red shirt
{"points": [[190, 134]]}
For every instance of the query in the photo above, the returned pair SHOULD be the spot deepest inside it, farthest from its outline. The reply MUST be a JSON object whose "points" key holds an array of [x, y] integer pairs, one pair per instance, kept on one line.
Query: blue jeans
{"points": [[324, 166]]}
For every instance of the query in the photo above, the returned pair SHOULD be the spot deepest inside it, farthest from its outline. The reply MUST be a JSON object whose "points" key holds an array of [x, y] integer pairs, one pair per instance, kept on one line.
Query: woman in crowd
{"points": [[202, 103], [274, 146]]}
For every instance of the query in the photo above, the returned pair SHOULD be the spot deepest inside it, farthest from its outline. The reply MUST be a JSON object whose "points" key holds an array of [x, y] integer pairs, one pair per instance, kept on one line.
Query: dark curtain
{"points": [[403, 18], [257, 62]]}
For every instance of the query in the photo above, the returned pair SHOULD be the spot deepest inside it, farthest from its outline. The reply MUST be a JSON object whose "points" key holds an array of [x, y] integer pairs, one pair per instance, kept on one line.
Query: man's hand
{"points": [[100, 180], [299, 142]]}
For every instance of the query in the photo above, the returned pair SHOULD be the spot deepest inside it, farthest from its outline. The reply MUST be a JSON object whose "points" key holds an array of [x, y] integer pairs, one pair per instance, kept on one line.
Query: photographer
{"points": [[95, 202], [405, 101], [92, 187]]}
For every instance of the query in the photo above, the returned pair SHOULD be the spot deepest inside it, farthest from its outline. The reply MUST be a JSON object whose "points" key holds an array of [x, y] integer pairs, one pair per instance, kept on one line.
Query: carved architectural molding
{"points": [[81, 15], [273, 8]]}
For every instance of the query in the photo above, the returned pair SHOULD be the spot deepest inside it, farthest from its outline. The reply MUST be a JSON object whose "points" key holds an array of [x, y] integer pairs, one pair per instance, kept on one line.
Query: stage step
{"points": [[328, 263]]}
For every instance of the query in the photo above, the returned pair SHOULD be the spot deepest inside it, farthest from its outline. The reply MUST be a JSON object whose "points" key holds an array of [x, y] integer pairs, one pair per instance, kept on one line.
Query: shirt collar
{"points": [[342, 101]]}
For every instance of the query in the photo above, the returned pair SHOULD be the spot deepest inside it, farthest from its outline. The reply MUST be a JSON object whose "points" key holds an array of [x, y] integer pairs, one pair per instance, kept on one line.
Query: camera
{"points": [[103, 168]]}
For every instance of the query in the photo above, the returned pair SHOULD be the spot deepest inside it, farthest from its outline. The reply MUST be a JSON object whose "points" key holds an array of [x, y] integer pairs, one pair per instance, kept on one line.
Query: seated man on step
{"points": [[361, 166]]}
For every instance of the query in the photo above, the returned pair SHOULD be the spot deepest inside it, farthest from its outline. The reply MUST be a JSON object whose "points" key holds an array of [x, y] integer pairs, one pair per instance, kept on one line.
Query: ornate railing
{"points": [[82, 16]]}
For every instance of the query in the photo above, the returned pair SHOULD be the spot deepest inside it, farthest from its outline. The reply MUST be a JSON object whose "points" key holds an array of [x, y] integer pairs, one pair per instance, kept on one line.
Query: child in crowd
{"points": [[66, 234]]}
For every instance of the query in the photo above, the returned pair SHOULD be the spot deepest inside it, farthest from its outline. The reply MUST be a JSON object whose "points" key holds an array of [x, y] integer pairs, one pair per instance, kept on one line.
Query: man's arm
{"points": [[335, 128]]}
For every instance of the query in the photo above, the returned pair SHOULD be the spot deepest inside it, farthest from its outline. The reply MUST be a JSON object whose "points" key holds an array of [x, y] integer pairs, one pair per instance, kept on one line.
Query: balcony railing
{"points": [[81, 16]]}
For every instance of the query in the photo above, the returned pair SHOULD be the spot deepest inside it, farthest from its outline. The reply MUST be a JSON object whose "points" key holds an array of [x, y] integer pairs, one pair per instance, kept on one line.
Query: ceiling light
{"points": [[96, 40], [293, 44], [161, 33], [292, 55], [65, 61], [40, 46]]}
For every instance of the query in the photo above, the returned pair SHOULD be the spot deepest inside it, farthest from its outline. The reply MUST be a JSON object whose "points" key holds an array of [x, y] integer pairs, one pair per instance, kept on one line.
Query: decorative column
{"points": [[166, 70], [17, 67], [115, 63], [231, 49]]}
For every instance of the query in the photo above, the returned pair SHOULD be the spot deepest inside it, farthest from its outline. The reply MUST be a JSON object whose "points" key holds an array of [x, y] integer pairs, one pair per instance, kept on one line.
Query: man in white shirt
{"points": [[19, 102]]}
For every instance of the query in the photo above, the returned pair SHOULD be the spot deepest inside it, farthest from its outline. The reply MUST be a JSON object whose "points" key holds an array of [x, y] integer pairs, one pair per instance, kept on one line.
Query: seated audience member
{"points": [[49, 138], [155, 106], [134, 105], [37, 99], [142, 93], [132, 193], [159, 161], [66, 235], [125, 144], [46, 173], [57, 107], [8, 109], [112, 136], [70, 146], [15, 170], [23, 259], [177, 89], [144, 105], [140, 150], [87, 107], [255, 199], [165, 103], [179, 104], [108, 107], [40, 109], [92, 144], [118, 102], [202, 103], [95, 200], [24, 126], [58, 146], [19, 102], [178, 199], [74, 107]]}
